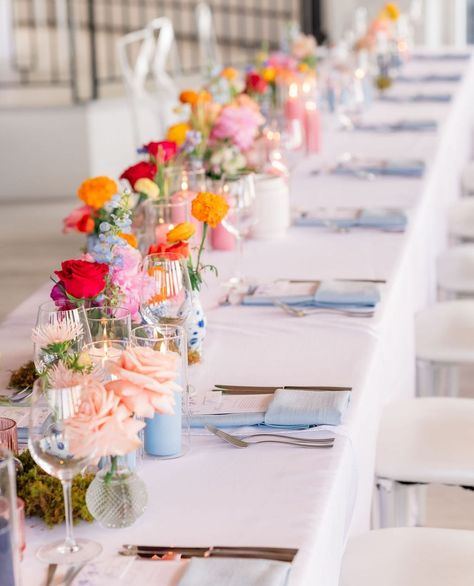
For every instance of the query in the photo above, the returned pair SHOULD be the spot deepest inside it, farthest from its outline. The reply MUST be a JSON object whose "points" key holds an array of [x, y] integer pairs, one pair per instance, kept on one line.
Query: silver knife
{"points": [[245, 390]]}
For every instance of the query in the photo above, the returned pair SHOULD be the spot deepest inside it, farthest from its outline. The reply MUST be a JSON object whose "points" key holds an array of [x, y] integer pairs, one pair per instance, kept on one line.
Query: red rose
{"points": [[254, 83], [79, 219], [82, 279], [180, 248], [162, 151], [139, 171]]}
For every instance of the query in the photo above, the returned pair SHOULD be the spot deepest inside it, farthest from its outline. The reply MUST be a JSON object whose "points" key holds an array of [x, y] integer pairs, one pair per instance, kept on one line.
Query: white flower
{"points": [[56, 333], [62, 377]]}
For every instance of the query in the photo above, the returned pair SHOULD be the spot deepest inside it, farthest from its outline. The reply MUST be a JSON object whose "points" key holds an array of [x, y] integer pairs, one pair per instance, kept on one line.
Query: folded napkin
{"points": [[389, 168], [337, 294], [216, 571], [369, 218], [400, 126], [431, 78], [417, 98], [441, 56], [298, 407], [228, 419]]}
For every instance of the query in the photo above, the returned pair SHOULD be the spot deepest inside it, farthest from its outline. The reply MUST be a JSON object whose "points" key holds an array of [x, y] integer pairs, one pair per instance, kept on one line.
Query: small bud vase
{"points": [[116, 497], [195, 329]]}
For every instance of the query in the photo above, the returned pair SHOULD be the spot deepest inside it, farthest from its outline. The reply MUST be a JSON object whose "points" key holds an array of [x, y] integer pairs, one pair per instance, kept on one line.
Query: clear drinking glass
{"points": [[56, 327], [239, 191], [54, 447], [9, 536], [165, 296], [167, 436]]}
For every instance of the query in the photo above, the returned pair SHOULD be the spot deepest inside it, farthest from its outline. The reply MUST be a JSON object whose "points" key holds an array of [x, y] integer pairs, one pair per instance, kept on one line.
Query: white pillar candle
{"points": [[272, 207]]}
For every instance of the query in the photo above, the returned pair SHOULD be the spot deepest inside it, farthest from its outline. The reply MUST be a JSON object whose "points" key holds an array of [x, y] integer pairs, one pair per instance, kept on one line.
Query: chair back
{"points": [[209, 53]]}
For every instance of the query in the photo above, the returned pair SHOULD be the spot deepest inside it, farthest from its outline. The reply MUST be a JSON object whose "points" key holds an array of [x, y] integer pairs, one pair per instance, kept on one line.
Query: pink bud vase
{"points": [[222, 239]]}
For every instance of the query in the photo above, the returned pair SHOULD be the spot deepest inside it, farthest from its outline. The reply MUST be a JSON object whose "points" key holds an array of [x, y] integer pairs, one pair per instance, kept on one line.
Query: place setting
{"points": [[344, 220]]}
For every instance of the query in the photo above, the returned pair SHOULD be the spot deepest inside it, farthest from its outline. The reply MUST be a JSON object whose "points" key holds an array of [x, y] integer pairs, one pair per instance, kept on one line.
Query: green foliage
{"points": [[43, 494], [23, 377]]}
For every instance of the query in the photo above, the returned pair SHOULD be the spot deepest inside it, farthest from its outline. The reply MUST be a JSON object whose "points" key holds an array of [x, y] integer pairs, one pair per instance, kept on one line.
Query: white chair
{"points": [[455, 272], [421, 441], [409, 557], [461, 220], [444, 341], [144, 54], [467, 179], [208, 48]]}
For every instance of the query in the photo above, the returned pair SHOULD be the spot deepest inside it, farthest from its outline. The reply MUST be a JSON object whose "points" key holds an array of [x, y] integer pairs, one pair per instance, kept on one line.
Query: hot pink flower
{"points": [[145, 380], [240, 125], [104, 424]]}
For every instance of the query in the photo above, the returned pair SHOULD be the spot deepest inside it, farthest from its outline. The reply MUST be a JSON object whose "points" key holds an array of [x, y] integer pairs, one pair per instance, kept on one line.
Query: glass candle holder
{"points": [[107, 323], [161, 216], [9, 434], [167, 436], [9, 537]]}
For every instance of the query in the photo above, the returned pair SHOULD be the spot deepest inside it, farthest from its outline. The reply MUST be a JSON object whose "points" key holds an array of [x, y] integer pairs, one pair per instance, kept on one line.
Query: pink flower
{"points": [[130, 280], [240, 125], [103, 424], [145, 380], [303, 46], [282, 61]]}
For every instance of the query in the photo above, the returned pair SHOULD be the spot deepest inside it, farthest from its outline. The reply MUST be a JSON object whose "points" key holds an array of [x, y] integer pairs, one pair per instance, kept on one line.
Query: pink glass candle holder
{"points": [[9, 434]]}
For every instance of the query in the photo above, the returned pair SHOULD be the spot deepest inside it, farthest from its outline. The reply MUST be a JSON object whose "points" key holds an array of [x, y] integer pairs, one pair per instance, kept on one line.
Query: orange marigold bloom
{"points": [[392, 11], [130, 238], [177, 133], [189, 97], [229, 73], [97, 191], [209, 208], [180, 232]]}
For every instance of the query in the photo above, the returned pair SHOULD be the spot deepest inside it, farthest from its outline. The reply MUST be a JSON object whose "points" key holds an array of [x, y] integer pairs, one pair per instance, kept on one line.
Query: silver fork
{"points": [[260, 438], [295, 312]]}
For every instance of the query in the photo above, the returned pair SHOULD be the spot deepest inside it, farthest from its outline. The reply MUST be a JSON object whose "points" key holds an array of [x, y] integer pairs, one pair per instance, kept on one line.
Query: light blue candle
{"points": [[7, 574], [163, 432]]}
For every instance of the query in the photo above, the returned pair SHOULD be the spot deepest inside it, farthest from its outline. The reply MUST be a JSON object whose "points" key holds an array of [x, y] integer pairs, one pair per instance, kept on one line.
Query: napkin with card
{"points": [[337, 294], [285, 408], [398, 126], [416, 98], [382, 218], [430, 78], [380, 167]]}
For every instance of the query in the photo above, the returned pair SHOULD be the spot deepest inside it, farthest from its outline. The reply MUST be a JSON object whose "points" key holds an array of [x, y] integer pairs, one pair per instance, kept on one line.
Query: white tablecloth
{"points": [[278, 495]]}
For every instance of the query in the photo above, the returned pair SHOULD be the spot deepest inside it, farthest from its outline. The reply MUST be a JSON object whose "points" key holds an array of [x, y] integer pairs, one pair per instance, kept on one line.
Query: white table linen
{"points": [[278, 495]]}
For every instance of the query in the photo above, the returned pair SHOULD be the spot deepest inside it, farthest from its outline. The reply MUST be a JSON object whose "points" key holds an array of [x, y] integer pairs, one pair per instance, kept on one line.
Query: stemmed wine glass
{"points": [[165, 296], [239, 191], [57, 332], [54, 445]]}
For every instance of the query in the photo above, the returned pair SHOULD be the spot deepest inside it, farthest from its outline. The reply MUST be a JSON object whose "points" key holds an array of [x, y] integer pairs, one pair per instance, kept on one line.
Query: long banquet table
{"points": [[278, 495]]}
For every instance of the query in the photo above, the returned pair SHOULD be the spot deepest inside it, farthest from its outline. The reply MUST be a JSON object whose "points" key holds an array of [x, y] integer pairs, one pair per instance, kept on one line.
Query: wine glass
{"points": [[165, 295], [57, 333], [60, 450], [239, 191]]}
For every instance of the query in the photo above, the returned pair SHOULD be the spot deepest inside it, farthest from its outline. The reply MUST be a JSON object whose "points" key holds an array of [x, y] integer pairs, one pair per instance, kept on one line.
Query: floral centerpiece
{"points": [[210, 209]]}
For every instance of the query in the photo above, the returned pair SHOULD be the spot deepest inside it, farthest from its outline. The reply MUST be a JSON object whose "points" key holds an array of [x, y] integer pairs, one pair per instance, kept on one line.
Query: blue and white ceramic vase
{"points": [[195, 329]]}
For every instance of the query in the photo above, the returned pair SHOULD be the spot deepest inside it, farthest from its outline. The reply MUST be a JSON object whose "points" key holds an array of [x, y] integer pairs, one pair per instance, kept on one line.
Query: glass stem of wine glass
{"points": [[69, 543], [240, 253]]}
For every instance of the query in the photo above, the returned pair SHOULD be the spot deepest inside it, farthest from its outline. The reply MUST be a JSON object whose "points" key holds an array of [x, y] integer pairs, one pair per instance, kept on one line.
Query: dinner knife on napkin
{"points": [[263, 390], [156, 552]]}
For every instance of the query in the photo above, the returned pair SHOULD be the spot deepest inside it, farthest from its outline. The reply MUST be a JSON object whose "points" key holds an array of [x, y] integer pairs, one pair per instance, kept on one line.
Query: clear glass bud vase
{"points": [[117, 496]]}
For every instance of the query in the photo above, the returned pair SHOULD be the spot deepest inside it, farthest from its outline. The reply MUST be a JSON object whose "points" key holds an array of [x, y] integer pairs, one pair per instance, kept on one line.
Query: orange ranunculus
{"points": [[204, 96], [229, 73], [180, 249], [209, 208], [189, 97], [177, 133], [269, 74], [130, 238], [181, 232], [303, 67], [97, 191]]}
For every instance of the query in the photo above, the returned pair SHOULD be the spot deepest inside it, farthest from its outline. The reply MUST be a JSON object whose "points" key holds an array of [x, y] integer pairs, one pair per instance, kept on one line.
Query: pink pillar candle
{"points": [[188, 196], [312, 128], [222, 239], [294, 106]]}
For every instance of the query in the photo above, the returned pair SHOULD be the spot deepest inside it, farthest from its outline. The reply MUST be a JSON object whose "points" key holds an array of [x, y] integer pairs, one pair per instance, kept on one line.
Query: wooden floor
{"points": [[32, 246]]}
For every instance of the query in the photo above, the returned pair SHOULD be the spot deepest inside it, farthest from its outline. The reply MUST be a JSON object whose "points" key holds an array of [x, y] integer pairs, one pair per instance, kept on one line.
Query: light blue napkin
{"points": [[441, 56], [369, 218], [339, 294], [216, 571], [298, 407], [390, 168], [417, 98], [228, 419], [431, 78], [400, 126]]}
